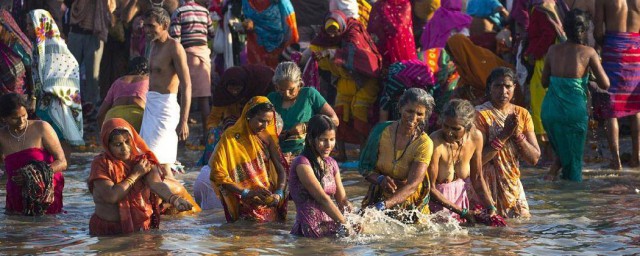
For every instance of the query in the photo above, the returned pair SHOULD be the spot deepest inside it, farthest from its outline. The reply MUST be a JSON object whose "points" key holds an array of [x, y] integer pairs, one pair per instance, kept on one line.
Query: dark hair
{"points": [[497, 73], [138, 66], [160, 14], [260, 108], [11, 102], [460, 109], [576, 25], [317, 125], [117, 132]]}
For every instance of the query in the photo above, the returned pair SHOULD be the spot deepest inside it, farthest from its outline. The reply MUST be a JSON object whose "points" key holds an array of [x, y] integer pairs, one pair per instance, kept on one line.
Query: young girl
{"points": [[314, 179]]}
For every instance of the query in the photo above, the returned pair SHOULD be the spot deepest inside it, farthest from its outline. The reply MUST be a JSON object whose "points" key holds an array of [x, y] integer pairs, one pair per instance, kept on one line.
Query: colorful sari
{"points": [[56, 80], [621, 62], [241, 157], [274, 29], [474, 64], [139, 209], [502, 173], [356, 92], [402, 76], [13, 162], [391, 26], [446, 79], [15, 55], [447, 18], [378, 157], [566, 120]]}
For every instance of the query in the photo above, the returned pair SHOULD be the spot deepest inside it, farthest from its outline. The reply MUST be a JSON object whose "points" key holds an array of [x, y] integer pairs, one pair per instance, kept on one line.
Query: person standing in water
{"points": [[163, 117]]}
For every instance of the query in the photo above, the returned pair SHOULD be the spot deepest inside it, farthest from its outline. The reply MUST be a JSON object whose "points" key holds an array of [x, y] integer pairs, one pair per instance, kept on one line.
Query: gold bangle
{"points": [[130, 181]]}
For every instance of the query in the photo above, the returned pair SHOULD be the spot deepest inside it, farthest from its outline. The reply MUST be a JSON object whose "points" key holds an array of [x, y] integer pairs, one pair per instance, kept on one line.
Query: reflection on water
{"points": [[598, 216]]}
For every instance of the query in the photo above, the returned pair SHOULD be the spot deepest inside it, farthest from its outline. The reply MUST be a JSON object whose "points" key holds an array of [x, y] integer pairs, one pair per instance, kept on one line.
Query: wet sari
{"points": [[56, 79], [502, 173], [139, 208], [378, 157], [241, 157]]}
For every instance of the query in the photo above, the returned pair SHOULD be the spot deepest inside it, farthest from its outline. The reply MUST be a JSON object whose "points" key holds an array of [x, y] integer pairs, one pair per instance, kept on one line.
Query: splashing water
{"points": [[377, 225]]}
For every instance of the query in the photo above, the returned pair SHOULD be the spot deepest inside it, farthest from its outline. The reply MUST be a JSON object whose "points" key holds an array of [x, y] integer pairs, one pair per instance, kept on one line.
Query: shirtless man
{"points": [[456, 165], [620, 20], [162, 113]]}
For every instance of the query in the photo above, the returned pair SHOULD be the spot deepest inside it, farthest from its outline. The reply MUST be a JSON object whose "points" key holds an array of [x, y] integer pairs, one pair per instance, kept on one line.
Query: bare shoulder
{"points": [[41, 126], [436, 139], [175, 45], [476, 135]]}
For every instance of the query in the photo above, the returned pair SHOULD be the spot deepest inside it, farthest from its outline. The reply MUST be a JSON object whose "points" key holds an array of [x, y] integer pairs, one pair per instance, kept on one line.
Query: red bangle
{"points": [[497, 144]]}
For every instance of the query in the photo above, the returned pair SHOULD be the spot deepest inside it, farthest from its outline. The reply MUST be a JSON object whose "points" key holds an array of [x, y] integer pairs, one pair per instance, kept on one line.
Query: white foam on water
{"points": [[377, 225]]}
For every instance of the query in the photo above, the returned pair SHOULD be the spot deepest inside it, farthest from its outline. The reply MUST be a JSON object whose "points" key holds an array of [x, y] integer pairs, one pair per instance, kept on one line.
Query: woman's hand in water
{"points": [[181, 205], [510, 127], [142, 167], [388, 184], [257, 196]]}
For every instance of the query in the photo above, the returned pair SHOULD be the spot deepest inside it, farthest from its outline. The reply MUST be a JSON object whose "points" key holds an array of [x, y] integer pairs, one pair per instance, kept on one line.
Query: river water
{"points": [[597, 216]]}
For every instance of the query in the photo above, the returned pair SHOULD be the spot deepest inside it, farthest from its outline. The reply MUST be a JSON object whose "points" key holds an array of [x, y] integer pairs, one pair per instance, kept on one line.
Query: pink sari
{"points": [[17, 160], [391, 25]]}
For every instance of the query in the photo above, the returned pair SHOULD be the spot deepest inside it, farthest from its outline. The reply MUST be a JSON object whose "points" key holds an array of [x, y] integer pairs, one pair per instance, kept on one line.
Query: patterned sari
{"points": [[15, 55], [56, 80], [391, 26], [241, 157], [502, 173]]}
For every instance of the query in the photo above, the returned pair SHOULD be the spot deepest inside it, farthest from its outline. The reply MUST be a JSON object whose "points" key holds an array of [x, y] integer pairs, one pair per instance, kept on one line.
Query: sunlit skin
{"points": [[153, 29], [453, 129], [120, 147], [260, 122], [289, 90], [501, 92], [17, 121], [325, 143]]}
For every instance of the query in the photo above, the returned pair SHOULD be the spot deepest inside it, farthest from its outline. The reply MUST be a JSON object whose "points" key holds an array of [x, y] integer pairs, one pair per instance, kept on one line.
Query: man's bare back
{"points": [[616, 16]]}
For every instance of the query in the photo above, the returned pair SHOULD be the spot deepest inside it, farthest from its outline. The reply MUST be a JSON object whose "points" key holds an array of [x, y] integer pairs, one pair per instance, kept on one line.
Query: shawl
{"points": [[324, 39], [447, 18], [38, 190], [13, 37], [473, 63], [255, 81], [139, 209], [275, 25], [242, 158], [369, 155]]}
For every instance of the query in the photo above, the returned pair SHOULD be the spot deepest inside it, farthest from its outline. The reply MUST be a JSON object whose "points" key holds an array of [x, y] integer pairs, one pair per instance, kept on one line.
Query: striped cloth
{"points": [[621, 62], [191, 24]]}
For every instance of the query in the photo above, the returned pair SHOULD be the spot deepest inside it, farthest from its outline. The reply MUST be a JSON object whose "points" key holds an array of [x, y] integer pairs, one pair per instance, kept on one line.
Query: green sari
{"points": [[565, 118]]}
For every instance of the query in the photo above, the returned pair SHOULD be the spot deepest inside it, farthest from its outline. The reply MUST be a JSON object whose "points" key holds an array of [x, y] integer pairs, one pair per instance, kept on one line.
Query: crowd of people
{"points": [[444, 98]]}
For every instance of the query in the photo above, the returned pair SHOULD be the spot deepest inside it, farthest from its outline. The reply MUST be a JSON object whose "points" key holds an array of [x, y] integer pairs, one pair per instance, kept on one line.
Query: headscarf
{"points": [[324, 39], [255, 79], [138, 210], [447, 18], [241, 158], [13, 37]]}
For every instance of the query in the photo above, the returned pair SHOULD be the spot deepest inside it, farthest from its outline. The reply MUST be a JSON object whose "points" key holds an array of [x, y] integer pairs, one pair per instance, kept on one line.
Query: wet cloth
{"points": [[502, 173], [199, 64], [15, 161], [203, 191], [378, 157], [621, 62], [474, 64], [138, 209], [37, 190], [402, 76], [311, 220], [456, 192], [242, 158], [131, 113], [565, 118], [391, 27], [56, 80], [274, 29], [446, 19], [308, 103], [159, 122]]}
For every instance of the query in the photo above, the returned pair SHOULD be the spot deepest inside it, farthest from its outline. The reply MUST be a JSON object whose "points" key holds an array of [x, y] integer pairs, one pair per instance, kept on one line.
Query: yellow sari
{"points": [[242, 158]]}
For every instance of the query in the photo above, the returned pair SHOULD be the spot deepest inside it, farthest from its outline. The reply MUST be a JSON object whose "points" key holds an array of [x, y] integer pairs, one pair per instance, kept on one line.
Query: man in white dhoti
{"points": [[164, 123]]}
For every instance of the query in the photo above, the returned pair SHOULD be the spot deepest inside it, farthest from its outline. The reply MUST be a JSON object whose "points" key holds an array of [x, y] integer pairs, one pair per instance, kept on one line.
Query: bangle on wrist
{"points": [[244, 193], [493, 208], [172, 199], [380, 179], [497, 144], [464, 212], [280, 192], [381, 206], [130, 181]]}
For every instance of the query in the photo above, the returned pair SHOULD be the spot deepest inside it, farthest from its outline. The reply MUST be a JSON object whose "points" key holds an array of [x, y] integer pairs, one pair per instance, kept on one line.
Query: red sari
{"points": [[390, 22], [138, 210], [19, 159]]}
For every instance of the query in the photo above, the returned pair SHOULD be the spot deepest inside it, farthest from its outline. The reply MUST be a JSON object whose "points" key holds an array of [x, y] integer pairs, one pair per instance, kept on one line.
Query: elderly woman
{"points": [[247, 169], [564, 108], [456, 166], [22, 148], [510, 137], [127, 95], [125, 182], [357, 85], [56, 79], [296, 105], [396, 157]]}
